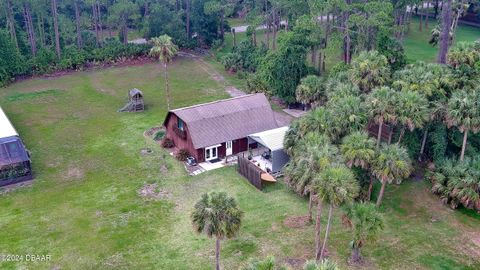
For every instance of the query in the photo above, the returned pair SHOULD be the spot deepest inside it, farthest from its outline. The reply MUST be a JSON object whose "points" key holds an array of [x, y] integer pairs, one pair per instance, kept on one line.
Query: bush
{"points": [[72, 58], [159, 135], [168, 143], [393, 50], [458, 183], [182, 154], [231, 62], [256, 85], [45, 61]]}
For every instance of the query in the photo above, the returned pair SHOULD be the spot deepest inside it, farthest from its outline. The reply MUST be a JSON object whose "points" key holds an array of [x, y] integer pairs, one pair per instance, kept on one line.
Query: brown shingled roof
{"points": [[224, 120]]}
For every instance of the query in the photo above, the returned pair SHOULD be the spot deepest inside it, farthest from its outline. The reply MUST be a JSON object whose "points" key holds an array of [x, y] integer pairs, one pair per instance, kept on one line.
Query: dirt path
{"points": [[282, 118]]}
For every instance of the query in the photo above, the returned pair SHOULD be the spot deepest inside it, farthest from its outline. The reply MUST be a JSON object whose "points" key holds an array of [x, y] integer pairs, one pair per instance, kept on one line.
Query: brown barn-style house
{"points": [[214, 130]]}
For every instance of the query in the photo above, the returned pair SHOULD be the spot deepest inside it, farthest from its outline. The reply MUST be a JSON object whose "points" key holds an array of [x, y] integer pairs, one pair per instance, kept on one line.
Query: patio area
{"points": [[208, 166], [262, 163]]}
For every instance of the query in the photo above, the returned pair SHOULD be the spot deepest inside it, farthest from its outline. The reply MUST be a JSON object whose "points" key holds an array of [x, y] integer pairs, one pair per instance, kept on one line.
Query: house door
{"points": [[211, 152], [229, 148]]}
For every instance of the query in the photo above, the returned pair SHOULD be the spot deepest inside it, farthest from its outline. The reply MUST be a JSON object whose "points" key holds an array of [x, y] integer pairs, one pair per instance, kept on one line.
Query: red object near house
{"points": [[214, 130]]}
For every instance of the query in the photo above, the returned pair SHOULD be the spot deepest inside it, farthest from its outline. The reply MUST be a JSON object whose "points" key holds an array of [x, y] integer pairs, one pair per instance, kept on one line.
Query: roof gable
{"points": [[225, 120]]}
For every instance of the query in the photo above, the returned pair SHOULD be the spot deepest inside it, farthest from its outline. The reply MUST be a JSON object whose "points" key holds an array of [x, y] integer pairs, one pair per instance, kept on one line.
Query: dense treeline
{"points": [[48, 35]]}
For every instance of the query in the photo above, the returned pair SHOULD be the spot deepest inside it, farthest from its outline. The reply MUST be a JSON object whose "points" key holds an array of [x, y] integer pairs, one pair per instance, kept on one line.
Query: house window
{"points": [[180, 124]]}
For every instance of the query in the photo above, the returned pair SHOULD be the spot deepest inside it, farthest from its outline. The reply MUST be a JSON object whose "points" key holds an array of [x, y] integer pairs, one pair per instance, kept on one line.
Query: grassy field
{"points": [[84, 210], [416, 42]]}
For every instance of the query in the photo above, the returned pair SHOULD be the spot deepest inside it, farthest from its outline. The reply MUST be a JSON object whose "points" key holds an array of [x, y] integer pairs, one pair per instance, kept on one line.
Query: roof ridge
{"points": [[214, 102]]}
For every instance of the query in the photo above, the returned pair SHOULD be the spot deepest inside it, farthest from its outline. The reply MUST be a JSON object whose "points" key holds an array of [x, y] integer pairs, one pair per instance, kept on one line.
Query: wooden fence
{"points": [[250, 171]]}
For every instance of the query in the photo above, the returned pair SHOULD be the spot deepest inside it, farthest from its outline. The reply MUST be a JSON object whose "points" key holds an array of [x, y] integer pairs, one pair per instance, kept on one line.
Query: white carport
{"points": [[272, 140]]}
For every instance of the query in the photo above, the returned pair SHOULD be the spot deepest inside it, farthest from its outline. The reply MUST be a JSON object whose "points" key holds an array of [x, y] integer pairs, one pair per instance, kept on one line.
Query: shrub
{"points": [[72, 58], [231, 62], [168, 143], [458, 183], [159, 135], [393, 50], [256, 85], [182, 154], [45, 61]]}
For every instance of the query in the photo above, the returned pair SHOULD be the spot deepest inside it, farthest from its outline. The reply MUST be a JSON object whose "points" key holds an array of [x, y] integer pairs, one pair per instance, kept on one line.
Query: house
{"points": [[215, 130], [14, 160]]}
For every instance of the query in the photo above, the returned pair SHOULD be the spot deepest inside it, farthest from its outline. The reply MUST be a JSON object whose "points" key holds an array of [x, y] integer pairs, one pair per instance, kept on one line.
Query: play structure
{"points": [[135, 102]]}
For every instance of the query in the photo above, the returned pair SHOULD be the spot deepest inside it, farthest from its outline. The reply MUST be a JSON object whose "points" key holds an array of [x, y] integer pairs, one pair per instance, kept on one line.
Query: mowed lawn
{"points": [[84, 209], [417, 46]]}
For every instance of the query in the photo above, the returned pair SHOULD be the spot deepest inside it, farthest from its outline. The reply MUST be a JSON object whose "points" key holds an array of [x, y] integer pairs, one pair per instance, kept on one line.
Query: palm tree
{"points": [[164, 49], [266, 264], [346, 114], [369, 70], [291, 138], [381, 107], [323, 265], [358, 149], [315, 153], [310, 90], [366, 222], [458, 183], [335, 185], [217, 215], [463, 112], [412, 111], [392, 163]]}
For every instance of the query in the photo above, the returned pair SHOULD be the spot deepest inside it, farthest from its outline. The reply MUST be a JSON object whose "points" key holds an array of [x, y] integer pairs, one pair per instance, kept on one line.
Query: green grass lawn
{"points": [[83, 208], [232, 22], [416, 42]]}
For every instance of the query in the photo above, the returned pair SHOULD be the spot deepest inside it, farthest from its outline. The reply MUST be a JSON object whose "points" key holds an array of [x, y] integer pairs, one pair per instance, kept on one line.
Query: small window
{"points": [[180, 124]]}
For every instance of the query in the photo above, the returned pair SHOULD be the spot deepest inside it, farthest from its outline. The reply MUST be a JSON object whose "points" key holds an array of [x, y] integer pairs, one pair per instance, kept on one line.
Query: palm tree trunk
{"points": [[234, 38], [55, 26], [402, 132], [166, 85], [222, 27], [382, 190], [318, 226], [424, 141], [330, 210], [379, 135], [464, 144], [217, 254], [310, 206], [125, 33], [370, 187]]}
